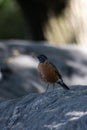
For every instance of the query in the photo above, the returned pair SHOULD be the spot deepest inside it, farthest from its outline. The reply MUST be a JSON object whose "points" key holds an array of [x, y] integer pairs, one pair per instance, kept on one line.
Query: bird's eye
{"points": [[40, 58]]}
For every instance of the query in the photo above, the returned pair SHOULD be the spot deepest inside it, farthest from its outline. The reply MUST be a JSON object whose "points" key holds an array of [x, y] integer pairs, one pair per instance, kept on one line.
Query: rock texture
{"points": [[54, 110], [29, 107]]}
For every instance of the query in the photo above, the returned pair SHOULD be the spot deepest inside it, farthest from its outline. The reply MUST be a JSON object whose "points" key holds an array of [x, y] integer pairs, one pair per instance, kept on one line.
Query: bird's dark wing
{"points": [[60, 80], [56, 71], [63, 85]]}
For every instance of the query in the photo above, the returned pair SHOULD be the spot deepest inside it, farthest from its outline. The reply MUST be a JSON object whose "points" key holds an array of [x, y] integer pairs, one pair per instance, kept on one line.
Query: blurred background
{"points": [[12, 24], [57, 28], [58, 21]]}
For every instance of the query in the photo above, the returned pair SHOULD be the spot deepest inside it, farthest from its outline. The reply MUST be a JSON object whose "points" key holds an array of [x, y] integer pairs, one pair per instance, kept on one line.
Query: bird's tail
{"points": [[63, 85]]}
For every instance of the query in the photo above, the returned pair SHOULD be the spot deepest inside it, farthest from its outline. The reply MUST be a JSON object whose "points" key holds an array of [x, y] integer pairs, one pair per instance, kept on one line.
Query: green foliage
{"points": [[12, 24]]}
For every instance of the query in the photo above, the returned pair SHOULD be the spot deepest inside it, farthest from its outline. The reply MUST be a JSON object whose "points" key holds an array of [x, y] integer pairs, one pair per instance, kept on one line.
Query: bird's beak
{"points": [[34, 56]]}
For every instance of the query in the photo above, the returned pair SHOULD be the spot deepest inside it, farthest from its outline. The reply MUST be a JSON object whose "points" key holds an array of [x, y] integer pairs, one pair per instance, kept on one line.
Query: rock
{"points": [[1, 76], [29, 107], [54, 110], [24, 79]]}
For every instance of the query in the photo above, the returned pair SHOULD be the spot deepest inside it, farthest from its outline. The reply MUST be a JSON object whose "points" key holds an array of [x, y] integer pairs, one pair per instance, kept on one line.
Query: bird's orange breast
{"points": [[47, 72]]}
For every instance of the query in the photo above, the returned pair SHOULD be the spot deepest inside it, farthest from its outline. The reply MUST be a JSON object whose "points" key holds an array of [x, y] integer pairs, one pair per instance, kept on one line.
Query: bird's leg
{"points": [[47, 87]]}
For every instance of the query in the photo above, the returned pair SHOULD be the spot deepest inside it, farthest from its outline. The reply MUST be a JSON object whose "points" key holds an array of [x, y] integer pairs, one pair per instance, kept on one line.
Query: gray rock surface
{"points": [[29, 107], [54, 110]]}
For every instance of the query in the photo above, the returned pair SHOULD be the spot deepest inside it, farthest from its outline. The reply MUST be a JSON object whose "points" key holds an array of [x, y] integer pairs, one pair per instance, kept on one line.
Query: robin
{"points": [[49, 73]]}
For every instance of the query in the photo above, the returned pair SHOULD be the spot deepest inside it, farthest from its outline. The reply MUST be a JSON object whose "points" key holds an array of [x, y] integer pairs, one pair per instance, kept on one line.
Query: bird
{"points": [[49, 73]]}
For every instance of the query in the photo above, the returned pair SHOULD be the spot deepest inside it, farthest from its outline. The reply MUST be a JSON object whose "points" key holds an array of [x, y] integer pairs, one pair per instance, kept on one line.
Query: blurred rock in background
{"points": [[19, 68]]}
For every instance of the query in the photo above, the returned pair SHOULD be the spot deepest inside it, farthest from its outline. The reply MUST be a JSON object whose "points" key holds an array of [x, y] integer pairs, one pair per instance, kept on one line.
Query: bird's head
{"points": [[42, 58]]}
